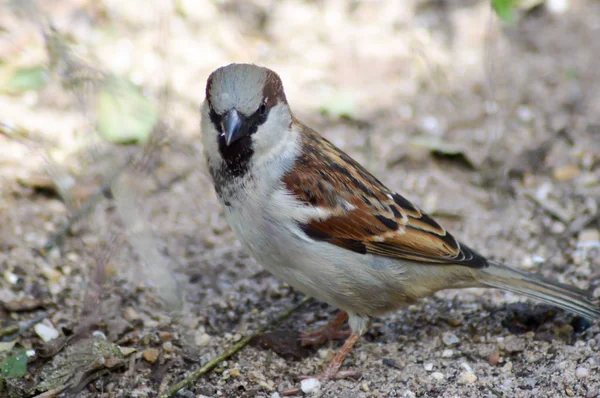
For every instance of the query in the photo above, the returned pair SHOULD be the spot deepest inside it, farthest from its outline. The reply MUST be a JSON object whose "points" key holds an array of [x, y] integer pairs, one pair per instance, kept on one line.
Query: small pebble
{"points": [[438, 376], [167, 346], [524, 113], [537, 259], [267, 385], [127, 350], [256, 375], [46, 332], [51, 274], [111, 362], [428, 366], [467, 377], [466, 367], [557, 227], [325, 353], [202, 339], [364, 387], [235, 372], [450, 339], [454, 321], [275, 395], [494, 358], [512, 344], [557, 6], [151, 355], [185, 393], [10, 277], [131, 314], [588, 238], [309, 386], [431, 125], [565, 173], [581, 372], [447, 353]]}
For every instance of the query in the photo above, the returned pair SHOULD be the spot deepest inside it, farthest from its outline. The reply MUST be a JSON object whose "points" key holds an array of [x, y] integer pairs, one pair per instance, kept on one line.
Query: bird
{"points": [[315, 218]]}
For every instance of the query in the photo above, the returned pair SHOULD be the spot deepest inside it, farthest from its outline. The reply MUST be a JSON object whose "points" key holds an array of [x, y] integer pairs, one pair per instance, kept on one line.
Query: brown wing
{"points": [[365, 216]]}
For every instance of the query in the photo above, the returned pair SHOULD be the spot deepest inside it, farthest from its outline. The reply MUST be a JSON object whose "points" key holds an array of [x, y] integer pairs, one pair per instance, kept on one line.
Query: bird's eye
{"points": [[262, 110]]}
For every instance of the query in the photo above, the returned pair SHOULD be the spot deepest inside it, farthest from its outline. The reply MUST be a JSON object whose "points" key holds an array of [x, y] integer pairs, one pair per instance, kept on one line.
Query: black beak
{"points": [[232, 127]]}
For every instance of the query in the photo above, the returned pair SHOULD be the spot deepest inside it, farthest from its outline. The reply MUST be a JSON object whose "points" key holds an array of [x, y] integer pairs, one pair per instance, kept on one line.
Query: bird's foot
{"points": [[327, 333], [332, 372], [323, 335]]}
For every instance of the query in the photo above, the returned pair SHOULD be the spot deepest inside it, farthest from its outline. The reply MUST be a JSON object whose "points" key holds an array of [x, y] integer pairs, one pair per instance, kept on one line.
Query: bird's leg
{"points": [[328, 332], [332, 372]]}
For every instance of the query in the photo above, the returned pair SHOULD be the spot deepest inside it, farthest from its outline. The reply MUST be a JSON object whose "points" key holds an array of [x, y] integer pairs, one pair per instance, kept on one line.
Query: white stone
{"points": [[10, 277], [309, 386], [467, 377], [581, 372], [466, 367], [450, 339], [428, 366], [524, 113], [557, 6], [447, 353], [46, 332], [202, 339], [438, 376]]}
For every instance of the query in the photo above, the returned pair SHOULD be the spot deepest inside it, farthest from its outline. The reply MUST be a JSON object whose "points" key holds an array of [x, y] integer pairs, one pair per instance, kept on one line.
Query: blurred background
{"points": [[484, 114]]}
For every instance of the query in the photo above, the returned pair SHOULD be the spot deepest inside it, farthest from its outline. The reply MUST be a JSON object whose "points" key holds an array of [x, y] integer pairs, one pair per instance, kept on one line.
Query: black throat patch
{"points": [[236, 157]]}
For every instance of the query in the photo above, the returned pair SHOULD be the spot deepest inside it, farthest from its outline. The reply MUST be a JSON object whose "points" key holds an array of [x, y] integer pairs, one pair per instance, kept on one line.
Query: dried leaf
{"points": [[7, 346]]}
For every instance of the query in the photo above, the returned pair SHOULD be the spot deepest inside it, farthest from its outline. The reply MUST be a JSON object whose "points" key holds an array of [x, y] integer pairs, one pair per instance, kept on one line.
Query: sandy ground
{"points": [[493, 129]]}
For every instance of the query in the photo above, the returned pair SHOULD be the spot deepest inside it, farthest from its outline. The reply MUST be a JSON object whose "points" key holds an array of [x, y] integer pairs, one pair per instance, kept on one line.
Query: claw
{"points": [[332, 372], [327, 333]]}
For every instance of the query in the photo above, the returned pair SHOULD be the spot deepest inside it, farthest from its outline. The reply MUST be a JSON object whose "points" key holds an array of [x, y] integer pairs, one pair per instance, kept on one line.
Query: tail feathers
{"points": [[566, 297]]}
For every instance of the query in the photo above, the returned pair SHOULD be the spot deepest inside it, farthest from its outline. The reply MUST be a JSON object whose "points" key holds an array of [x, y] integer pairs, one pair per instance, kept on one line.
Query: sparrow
{"points": [[318, 220]]}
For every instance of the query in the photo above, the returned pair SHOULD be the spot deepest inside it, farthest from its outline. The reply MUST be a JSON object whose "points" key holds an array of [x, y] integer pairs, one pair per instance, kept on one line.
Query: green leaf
{"points": [[26, 79], [15, 365], [505, 9], [124, 114]]}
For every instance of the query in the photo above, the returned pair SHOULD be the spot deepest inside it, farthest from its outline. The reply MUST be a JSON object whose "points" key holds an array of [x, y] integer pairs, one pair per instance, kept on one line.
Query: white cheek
{"points": [[270, 137]]}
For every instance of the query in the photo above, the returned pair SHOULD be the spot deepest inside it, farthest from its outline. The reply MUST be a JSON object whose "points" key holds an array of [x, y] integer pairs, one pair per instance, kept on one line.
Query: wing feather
{"points": [[365, 216]]}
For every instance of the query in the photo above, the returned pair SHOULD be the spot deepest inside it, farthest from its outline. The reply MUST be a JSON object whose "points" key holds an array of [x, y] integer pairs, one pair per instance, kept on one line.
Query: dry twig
{"points": [[228, 353]]}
